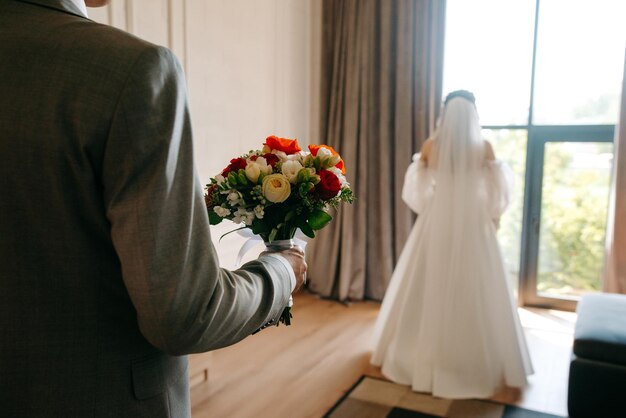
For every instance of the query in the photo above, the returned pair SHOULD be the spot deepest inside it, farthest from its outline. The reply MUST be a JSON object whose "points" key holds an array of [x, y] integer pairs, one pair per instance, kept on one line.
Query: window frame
{"points": [[537, 137]]}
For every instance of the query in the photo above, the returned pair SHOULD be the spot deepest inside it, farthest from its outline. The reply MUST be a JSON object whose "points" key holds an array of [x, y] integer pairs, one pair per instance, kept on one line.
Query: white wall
{"points": [[248, 66]]}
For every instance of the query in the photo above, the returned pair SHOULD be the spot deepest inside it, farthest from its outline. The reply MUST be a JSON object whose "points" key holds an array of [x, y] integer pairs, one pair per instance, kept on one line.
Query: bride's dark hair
{"points": [[467, 95]]}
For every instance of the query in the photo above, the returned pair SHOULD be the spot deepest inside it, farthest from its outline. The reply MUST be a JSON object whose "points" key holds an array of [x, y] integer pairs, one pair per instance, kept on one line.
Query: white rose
{"points": [[221, 212], [291, 169], [233, 197], [264, 166], [253, 171], [243, 216], [259, 212], [255, 168], [324, 154], [327, 158], [219, 179], [276, 188], [298, 156]]}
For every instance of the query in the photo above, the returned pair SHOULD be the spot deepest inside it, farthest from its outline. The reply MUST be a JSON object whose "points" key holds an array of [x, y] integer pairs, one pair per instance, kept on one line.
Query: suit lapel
{"points": [[67, 6]]}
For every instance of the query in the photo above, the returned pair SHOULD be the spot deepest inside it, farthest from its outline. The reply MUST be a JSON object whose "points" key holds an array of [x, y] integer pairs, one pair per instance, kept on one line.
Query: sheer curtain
{"points": [[380, 95], [615, 268]]}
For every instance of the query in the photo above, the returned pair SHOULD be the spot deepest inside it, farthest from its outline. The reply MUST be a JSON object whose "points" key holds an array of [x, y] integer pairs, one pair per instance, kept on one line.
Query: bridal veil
{"points": [[448, 323]]}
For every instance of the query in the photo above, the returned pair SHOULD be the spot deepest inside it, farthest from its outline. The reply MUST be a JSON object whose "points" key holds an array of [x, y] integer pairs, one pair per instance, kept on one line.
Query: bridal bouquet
{"points": [[279, 189]]}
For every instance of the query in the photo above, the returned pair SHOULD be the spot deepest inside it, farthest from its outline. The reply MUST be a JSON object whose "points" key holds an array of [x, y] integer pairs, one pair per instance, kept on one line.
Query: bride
{"points": [[448, 324]]}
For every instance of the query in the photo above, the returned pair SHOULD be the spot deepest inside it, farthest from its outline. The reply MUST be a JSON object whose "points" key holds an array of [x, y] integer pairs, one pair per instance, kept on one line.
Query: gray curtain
{"points": [[380, 96], [615, 267]]}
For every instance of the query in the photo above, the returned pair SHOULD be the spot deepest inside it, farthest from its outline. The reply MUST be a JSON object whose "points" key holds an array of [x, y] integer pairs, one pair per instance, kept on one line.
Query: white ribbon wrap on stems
{"points": [[299, 240]]}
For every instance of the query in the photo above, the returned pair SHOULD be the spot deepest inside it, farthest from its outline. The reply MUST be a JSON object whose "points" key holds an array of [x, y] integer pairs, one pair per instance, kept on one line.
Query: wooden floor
{"points": [[301, 371]]}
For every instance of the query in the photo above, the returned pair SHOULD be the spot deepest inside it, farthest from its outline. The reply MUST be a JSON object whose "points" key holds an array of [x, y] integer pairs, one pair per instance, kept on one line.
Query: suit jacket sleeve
{"points": [[155, 203]]}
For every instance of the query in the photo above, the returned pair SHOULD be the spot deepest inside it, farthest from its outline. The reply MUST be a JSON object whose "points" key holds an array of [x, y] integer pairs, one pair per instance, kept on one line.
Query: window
{"points": [[579, 62], [547, 79]]}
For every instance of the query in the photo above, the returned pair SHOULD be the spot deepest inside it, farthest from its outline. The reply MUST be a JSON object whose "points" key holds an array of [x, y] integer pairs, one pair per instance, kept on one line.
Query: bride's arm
{"points": [[490, 155], [499, 183], [418, 184], [426, 149]]}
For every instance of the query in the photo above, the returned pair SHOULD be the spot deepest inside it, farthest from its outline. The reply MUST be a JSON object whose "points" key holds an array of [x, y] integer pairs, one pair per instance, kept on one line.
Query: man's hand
{"points": [[295, 257]]}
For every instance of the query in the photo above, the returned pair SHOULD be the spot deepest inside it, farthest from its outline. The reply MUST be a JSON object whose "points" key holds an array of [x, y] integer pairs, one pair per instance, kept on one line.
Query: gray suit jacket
{"points": [[107, 271]]}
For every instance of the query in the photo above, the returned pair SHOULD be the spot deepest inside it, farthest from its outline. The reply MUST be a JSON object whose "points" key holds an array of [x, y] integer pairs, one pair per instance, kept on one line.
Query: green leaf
{"points": [[306, 228], [214, 218], [232, 178], [260, 227], [290, 215], [230, 232], [319, 219], [272, 235]]}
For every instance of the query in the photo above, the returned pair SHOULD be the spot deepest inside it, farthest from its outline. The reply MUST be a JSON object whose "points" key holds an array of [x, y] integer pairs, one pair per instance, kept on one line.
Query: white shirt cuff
{"points": [[292, 275]]}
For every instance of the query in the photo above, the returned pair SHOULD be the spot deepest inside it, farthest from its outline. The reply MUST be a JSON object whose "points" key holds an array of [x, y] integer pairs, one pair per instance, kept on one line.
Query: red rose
{"points": [[329, 185], [271, 159], [235, 165], [288, 146]]}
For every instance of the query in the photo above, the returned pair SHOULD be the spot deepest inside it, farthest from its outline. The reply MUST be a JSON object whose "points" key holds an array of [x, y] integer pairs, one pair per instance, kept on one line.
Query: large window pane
{"points": [[575, 194], [510, 147], [489, 51], [580, 56], [577, 81]]}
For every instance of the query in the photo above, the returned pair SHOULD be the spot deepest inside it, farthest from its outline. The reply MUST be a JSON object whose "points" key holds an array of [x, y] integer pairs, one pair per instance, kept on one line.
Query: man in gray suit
{"points": [[108, 276]]}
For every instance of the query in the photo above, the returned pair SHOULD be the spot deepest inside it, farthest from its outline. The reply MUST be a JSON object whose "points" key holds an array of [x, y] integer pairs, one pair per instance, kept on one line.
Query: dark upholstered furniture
{"points": [[597, 376]]}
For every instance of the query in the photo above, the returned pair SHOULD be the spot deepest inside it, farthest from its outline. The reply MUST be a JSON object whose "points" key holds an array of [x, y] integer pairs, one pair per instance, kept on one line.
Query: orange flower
{"points": [[288, 146], [339, 165]]}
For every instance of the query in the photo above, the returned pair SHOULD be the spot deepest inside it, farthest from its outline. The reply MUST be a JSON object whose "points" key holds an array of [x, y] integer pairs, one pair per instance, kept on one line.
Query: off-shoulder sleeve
{"points": [[499, 182], [418, 185]]}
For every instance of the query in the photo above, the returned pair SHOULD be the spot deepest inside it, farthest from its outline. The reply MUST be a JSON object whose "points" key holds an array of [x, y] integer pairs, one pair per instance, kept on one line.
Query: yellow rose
{"points": [[276, 188]]}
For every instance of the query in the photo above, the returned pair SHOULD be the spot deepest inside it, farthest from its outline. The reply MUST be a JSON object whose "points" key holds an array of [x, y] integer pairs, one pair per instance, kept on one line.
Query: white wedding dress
{"points": [[448, 324]]}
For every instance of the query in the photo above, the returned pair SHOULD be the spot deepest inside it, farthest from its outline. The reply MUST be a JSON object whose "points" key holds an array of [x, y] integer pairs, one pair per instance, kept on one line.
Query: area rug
{"points": [[375, 398]]}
